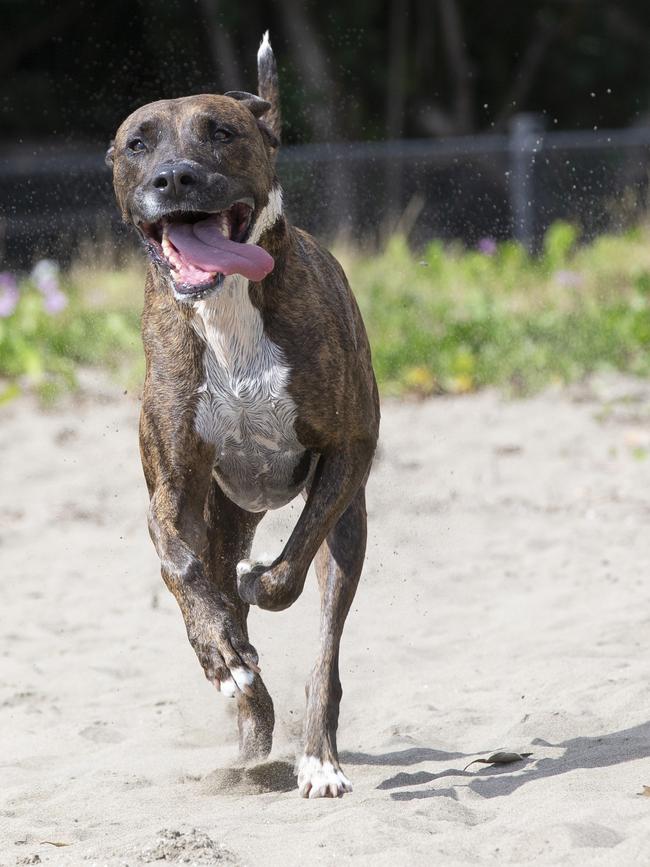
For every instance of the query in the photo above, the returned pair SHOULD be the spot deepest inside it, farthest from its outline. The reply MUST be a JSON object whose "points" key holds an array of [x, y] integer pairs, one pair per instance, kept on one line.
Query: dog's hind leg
{"points": [[338, 566], [230, 535]]}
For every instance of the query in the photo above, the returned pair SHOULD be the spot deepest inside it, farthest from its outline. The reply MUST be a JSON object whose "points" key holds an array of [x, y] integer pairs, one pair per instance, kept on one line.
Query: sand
{"points": [[505, 605]]}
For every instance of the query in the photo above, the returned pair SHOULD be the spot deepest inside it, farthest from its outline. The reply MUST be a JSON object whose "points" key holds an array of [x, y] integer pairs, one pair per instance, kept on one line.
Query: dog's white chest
{"points": [[244, 407]]}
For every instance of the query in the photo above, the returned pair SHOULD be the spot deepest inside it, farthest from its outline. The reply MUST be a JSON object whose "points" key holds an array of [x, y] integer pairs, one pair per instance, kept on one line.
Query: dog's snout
{"points": [[175, 179]]}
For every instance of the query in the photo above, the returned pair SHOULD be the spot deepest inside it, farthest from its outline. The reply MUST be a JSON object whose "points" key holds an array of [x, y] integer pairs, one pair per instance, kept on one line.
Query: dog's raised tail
{"points": [[267, 84]]}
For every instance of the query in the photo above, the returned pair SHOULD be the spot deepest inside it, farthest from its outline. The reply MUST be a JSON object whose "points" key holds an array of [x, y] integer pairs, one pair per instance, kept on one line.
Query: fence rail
{"points": [[492, 185]]}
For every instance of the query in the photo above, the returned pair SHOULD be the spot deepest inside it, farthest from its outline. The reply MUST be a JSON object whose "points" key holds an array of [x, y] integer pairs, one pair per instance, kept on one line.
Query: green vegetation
{"points": [[452, 320], [52, 324], [442, 320]]}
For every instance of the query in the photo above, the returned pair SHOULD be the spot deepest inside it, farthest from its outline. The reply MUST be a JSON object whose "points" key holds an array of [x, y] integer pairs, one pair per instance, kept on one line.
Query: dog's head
{"points": [[193, 175]]}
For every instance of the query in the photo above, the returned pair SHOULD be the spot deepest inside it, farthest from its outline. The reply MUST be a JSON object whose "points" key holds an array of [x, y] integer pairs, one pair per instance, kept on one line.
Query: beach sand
{"points": [[505, 605]]}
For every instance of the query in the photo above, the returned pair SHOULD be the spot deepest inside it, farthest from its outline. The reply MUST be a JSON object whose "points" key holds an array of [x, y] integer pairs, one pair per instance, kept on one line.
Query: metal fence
{"points": [[465, 188]]}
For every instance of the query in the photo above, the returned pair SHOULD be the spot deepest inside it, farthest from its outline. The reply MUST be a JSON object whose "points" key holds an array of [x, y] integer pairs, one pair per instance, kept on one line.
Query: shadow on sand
{"points": [[410, 756], [496, 781]]}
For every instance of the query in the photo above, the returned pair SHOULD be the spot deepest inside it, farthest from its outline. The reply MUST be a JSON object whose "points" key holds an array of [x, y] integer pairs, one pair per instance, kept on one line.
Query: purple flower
{"points": [[45, 275], [9, 294], [487, 246], [55, 301]]}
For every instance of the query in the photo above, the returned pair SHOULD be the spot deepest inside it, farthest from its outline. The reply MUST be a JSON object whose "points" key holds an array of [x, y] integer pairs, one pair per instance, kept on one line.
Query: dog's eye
{"points": [[221, 134], [136, 145]]}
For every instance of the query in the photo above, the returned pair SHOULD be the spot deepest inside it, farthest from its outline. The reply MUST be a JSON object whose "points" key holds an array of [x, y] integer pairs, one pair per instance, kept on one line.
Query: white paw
{"points": [[241, 681], [318, 779], [246, 566]]}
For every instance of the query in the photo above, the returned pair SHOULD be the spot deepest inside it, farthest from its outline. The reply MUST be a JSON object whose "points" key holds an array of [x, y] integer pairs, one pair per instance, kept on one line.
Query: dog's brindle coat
{"points": [[254, 392]]}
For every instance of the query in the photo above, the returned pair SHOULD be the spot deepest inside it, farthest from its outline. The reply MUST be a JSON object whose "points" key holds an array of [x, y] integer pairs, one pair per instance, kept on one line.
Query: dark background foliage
{"points": [[71, 69]]}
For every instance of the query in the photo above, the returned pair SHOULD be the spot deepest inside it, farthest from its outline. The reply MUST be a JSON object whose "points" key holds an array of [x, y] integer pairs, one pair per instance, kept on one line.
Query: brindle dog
{"points": [[259, 386]]}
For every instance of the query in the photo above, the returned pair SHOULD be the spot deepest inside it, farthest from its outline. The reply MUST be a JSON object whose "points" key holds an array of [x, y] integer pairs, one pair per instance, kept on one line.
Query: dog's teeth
{"points": [[170, 253]]}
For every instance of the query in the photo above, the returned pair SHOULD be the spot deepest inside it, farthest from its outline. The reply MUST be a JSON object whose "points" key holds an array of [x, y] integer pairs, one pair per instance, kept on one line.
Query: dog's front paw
{"points": [[321, 779], [228, 660], [249, 573], [273, 587]]}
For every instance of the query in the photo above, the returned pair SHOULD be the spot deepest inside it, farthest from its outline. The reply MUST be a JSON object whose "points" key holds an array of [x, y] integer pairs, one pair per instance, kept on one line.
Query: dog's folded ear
{"points": [[268, 135], [254, 103], [108, 159]]}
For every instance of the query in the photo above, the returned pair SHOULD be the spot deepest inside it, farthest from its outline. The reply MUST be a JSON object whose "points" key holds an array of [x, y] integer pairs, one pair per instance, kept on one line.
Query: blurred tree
{"points": [[368, 69]]}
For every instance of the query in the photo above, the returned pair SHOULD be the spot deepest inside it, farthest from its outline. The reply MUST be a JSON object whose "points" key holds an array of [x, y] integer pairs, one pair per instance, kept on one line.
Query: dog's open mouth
{"points": [[200, 248]]}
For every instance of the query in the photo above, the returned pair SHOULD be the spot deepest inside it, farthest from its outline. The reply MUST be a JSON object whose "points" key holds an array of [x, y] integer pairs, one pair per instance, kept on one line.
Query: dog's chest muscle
{"points": [[244, 407]]}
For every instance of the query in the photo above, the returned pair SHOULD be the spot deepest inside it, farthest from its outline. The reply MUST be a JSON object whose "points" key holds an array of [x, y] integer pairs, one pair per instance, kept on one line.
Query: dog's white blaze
{"points": [[268, 216], [317, 779], [245, 408]]}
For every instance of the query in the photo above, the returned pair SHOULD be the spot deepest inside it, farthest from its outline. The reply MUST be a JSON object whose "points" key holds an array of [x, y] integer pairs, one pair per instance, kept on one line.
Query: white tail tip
{"points": [[265, 45]]}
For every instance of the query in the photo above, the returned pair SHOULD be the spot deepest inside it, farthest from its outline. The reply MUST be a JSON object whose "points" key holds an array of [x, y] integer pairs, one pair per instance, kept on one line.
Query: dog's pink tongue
{"points": [[203, 245]]}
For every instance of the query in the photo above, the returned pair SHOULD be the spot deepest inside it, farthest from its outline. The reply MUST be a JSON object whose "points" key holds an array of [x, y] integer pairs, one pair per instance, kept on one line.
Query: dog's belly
{"points": [[244, 407], [259, 478], [259, 463]]}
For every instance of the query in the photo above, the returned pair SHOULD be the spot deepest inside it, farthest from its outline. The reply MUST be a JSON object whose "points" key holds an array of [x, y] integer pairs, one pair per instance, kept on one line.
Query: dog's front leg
{"points": [[339, 474], [179, 533]]}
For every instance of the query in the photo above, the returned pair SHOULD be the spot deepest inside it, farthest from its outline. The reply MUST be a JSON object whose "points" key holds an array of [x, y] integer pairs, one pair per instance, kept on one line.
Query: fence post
{"points": [[526, 131]]}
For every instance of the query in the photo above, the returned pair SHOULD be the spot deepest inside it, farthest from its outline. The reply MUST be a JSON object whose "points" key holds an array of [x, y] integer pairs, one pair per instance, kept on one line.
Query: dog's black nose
{"points": [[173, 180]]}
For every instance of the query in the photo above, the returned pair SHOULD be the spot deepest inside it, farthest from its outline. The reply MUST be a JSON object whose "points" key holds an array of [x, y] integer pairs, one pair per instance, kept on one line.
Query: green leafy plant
{"points": [[48, 329], [455, 320], [442, 319]]}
